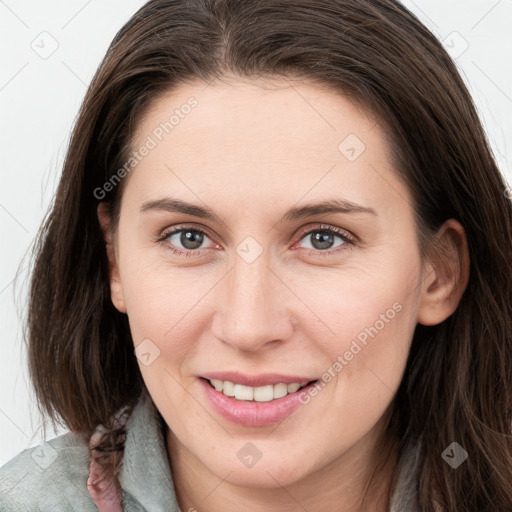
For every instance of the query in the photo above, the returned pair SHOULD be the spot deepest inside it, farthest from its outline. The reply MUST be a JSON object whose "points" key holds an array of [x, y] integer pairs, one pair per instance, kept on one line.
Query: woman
{"points": [[204, 358]]}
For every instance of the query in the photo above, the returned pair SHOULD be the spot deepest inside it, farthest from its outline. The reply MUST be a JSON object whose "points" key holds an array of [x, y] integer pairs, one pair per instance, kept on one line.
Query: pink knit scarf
{"points": [[104, 487]]}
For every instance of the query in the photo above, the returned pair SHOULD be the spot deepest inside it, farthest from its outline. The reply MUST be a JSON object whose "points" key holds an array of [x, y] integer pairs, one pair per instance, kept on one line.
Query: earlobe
{"points": [[445, 275], [116, 291]]}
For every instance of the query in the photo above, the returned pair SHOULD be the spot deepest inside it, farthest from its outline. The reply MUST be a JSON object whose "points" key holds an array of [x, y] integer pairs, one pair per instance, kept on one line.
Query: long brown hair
{"points": [[458, 380]]}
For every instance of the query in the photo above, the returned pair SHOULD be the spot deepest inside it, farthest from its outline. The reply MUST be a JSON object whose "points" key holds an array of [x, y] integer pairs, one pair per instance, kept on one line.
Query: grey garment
{"points": [[404, 497], [53, 476]]}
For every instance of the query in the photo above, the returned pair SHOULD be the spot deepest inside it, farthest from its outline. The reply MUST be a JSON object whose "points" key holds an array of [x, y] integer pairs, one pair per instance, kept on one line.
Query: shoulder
{"points": [[49, 477]]}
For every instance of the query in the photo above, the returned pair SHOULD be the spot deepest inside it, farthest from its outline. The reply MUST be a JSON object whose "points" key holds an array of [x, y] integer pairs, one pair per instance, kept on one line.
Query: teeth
{"points": [[243, 392], [217, 384], [280, 390], [264, 393], [228, 388], [258, 394], [293, 387]]}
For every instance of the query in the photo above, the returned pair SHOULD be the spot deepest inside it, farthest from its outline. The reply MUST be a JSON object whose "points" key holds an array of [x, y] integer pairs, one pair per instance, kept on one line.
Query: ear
{"points": [[446, 275], [116, 291]]}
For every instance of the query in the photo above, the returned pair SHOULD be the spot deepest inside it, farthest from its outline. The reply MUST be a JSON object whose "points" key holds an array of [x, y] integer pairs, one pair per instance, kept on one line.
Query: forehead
{"points": [[266, 137], [279, 110]]}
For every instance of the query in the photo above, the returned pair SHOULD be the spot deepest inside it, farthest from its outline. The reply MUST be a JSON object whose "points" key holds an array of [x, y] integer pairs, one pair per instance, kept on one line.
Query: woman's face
{"points": [[297, 260]]}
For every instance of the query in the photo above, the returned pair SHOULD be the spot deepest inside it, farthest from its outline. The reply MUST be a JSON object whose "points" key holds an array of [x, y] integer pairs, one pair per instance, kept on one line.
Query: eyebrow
{"points": [[298, 212]]}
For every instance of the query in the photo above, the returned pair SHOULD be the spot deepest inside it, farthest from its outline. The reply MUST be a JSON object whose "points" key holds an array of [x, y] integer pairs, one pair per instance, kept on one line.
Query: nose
{"points": [[253, 307]]}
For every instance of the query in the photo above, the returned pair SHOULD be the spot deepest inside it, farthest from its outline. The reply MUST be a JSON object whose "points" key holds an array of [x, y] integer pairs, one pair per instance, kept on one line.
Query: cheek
{"points": [[366, 347], [366, 360], [167, 307], [364, 322]]}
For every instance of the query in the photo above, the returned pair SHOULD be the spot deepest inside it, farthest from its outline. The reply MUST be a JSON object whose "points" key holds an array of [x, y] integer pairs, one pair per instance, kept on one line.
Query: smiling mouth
{"points": [[256, 394]]}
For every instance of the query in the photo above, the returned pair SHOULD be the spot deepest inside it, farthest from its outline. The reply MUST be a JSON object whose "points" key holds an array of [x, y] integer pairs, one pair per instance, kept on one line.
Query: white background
{"points": [[40, 97]]}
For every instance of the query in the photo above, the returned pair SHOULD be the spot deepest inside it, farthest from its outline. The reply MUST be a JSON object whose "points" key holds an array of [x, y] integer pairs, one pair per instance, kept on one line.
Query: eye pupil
{"points": [[324, 239], [191, 239]]}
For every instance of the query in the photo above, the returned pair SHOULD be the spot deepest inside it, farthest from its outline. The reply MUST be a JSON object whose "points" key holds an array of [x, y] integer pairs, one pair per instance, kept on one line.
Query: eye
{"points": [[188, 240], [184, 240], [323, 239]]}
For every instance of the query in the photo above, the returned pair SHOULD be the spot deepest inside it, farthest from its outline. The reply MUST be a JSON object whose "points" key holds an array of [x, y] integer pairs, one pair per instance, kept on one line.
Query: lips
{"points": [[253, 413], [254, 381]]}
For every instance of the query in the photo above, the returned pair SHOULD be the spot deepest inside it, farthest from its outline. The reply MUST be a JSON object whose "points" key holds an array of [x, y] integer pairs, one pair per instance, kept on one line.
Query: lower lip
{"points": [[250, 413]]}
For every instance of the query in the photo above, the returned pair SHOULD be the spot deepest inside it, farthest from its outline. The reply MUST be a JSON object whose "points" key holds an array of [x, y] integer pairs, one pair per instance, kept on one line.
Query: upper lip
{"points": [[254, 381]]}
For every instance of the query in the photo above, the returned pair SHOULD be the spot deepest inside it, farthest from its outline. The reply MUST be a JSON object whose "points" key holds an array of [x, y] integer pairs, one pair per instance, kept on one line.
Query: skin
{"points": [[250, 151]]}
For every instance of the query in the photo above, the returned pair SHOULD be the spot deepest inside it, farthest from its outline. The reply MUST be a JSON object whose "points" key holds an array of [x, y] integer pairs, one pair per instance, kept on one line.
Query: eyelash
{"points": [[348, 240]]}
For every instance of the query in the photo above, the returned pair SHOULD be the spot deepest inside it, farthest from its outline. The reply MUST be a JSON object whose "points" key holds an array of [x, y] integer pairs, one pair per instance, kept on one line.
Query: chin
{"points": [[266, 473]]}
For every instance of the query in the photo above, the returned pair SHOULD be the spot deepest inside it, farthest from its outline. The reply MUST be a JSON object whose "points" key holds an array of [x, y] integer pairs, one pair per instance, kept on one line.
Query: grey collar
{"points": [[145, 477]]}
